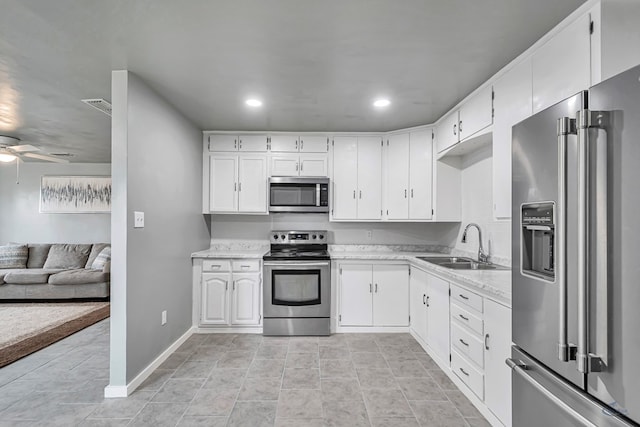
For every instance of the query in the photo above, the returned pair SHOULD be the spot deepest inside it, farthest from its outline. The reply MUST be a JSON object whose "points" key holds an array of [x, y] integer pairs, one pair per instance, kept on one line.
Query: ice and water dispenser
{"points": [[538, 232]]}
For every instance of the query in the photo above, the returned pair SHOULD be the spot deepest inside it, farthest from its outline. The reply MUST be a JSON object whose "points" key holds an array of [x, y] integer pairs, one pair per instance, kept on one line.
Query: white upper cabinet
{"points": [[409, 176], [238, 183], [252, 183], [357, 178], [562, 66], [512, 104], [299, 143], [313, 165], [398, 176], [228, 142], [476, 113], [447, 133], [285, 165]]}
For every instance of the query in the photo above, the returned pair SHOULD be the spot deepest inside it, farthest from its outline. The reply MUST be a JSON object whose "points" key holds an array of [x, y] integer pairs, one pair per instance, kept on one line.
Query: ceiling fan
{"points": [[10, 150]]}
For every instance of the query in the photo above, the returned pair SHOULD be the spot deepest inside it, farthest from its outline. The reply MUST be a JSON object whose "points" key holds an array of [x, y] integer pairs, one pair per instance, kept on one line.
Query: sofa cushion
{"points": [[29, 276], [38, 254], [96, 248], [14, 256], [102, 259], [5, 271], [67, 256], [78, 277]]}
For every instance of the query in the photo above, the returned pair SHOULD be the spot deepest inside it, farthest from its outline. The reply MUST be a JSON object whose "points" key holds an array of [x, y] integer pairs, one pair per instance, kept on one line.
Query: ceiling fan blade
{"points": [[25, 148], [46, 157]]}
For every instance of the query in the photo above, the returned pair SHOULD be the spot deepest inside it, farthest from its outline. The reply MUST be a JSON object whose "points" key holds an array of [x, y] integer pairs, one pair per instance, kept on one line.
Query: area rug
{"points": [[28, 327]]}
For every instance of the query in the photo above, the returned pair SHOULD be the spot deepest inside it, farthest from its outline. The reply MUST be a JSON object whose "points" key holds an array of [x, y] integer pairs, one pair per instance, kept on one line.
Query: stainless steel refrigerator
{"points": [[576, 260]]}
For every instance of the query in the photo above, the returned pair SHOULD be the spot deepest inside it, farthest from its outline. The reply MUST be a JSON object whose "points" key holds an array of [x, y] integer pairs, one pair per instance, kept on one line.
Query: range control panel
{"points": [[297, 237]]}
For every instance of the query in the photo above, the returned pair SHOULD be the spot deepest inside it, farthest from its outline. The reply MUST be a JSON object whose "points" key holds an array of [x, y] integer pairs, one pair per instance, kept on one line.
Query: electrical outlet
{"points": [[138, 219], [164, 317], [369, 234]]}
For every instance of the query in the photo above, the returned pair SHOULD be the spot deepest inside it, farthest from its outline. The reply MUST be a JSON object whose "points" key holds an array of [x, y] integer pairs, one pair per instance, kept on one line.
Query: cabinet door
{"points": [[223, 194], [223, 142], [420, 174], [252, 183], [245, 299], [512, 104], [314, 144], [313, 165], [418, 305], [476, 114], [356, 295], [369, 178], [345, 177], [284, 143], [398, 176], [285, 165], [214, 299], [438, 316], [390, 295], [447, 132], [497, 396], [562, 66], [252, 143]]}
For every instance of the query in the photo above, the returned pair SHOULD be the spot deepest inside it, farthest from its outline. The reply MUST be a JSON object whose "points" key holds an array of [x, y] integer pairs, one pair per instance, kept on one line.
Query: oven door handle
{"points": [[296, 264]]}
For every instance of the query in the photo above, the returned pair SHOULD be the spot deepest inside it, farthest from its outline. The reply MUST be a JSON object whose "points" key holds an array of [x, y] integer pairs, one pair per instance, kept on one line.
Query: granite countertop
{"points": [[495, 284], [240, 249]]}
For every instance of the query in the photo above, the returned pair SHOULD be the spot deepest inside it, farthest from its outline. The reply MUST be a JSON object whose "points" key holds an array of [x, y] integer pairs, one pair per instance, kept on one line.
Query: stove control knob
{"points": [[321, 236], [275, 237], [313, 236], [282, 236]]}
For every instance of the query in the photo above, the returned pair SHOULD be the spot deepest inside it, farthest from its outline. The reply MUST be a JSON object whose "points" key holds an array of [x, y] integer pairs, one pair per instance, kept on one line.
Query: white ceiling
{"points": [[316, 64]]}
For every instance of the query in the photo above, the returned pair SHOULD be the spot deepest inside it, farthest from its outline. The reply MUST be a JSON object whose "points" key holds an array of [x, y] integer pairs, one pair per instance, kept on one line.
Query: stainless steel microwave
{"points": [[298, 194]]}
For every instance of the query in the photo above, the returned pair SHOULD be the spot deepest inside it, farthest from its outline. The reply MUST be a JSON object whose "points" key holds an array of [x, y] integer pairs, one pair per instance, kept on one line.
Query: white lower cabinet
{"points": [[232, 297], [373, 295], [497, 342]]}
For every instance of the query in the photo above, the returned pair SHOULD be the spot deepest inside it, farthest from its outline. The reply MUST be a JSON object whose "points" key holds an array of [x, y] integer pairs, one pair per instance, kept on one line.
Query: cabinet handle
{"points": [[460, 126], [361, 194], [464, 372], [454, 129], [463, 318], [235, 144], [463, 297], [235, 186], [486, 341], [412, 193], [354, 194], [239, 186], [226, 285], [427, 300], [423, 299], [239, 144], [296, 144], [370, 289], [405, 193], [297, 164], [464, 343], [301, 166], [234, 285], [376, 288], [301, 145]]}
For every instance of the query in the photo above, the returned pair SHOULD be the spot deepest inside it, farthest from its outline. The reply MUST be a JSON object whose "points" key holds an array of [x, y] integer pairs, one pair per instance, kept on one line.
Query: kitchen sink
{"points": [[460, 263]]}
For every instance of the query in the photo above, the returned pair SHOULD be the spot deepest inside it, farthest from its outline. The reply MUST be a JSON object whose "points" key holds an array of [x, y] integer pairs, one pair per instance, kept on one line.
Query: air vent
{"points": [[62, 154], [99, 104]]}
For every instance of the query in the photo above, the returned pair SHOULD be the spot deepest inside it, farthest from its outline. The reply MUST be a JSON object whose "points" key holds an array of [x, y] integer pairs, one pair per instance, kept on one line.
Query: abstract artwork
{"points": [[75, 194]]}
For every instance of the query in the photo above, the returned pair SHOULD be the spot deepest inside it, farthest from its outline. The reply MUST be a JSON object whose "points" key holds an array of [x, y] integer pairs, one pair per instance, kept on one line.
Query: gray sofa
{"points": [[54, 271]]}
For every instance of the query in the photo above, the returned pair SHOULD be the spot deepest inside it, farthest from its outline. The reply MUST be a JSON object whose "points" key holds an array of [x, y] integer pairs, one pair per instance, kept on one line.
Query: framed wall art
{"points": [[75, 194]]}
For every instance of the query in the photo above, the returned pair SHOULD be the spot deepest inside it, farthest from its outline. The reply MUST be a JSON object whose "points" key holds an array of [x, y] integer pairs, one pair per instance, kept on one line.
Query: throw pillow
{"points": [[14, 256], [67, 256], [96, 248], [102, 259]]}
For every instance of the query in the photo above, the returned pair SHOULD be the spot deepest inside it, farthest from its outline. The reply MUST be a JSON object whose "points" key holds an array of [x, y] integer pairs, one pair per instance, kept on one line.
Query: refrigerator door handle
{"points": [[586, 362], [566, 127], [518, 367]]}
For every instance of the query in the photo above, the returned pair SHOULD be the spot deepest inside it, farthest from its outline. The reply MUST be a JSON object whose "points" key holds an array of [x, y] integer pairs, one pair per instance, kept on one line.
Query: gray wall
{"points": [[156, 153], [20, 219], [257, 227]]}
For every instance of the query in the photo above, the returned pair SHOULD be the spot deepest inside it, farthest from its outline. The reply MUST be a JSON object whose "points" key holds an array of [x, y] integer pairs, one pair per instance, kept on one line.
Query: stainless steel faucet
{"points": [[482, 255]]}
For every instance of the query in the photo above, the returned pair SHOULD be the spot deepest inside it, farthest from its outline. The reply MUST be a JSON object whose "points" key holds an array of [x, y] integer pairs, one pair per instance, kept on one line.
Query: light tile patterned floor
{"points": [[240, 380]]}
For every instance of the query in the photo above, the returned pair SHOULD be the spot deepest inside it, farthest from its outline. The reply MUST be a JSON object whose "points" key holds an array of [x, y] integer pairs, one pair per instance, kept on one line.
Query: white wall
{"points": [[156, 153], [477, 206], [257, 227], [20, 219]]}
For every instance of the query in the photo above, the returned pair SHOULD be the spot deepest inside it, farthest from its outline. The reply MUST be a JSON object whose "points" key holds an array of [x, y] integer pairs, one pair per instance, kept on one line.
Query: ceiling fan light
{"points": [[6, 158]]}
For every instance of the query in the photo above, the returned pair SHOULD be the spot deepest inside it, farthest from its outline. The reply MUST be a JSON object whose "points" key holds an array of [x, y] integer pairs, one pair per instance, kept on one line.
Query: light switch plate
{"points": [[138, 219]]}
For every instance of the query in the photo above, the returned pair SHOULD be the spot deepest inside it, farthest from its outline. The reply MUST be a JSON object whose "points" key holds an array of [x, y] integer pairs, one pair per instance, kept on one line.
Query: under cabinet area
{"points": [[228, 292], [373, 295]]}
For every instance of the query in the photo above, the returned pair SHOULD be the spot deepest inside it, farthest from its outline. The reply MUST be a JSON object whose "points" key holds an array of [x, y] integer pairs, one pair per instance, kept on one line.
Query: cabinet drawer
{"points": [[216, 265], [246, 265], [467, 344], [469, 375], [467, 318], [466, 297]]}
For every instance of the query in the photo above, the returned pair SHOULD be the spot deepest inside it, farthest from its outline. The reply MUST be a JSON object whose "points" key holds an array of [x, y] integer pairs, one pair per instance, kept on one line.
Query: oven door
{"points": [[297, 289]]}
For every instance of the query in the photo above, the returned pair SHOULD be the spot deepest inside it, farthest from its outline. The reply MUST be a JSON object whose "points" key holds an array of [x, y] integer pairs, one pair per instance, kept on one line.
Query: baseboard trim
{"points": [[371, 329], [226, 330], [112, 391]]}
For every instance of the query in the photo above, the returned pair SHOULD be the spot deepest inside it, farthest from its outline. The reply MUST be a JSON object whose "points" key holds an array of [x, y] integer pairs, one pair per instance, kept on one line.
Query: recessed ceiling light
{"points": [[382, 102], [253, 102]]}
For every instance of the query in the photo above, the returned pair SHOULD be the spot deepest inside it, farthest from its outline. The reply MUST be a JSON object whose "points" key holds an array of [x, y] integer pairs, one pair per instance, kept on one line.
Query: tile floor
{"points": [[240, 380]]}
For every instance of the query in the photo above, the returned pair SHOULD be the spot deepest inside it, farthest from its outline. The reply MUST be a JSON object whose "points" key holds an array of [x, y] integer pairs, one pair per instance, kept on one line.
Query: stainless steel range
{"points": [[297, 284]]}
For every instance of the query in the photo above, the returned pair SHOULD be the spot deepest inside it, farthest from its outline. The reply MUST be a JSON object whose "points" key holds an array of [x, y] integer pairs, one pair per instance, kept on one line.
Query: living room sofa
{"points": [[49, 271]]}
